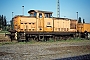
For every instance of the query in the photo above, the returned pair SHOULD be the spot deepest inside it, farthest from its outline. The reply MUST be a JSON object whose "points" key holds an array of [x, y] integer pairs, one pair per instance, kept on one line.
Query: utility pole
{"points": [[79, 27], [12, 14], [77, 15], [23, 10], [58, 9]]}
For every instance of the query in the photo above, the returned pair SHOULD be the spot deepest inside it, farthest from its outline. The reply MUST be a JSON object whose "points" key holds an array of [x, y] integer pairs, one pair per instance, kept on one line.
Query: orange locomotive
{"points": [[40, 25]]}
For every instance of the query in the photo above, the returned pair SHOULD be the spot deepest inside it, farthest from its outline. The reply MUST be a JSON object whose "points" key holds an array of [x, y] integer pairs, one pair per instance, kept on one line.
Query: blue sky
{"points": [[68, 8]]}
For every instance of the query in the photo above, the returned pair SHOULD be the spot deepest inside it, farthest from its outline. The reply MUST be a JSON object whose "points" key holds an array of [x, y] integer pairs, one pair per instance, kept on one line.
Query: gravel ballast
{"points": [[44, 51]]}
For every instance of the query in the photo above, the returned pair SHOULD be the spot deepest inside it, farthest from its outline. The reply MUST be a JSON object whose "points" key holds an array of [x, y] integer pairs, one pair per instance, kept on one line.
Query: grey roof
{"points": [[39, 11], [59, 17], [22, 16]]}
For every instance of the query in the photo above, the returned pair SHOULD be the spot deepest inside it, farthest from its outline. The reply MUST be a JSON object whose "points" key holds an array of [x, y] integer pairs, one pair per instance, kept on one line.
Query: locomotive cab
{"points": [[44, 20]]}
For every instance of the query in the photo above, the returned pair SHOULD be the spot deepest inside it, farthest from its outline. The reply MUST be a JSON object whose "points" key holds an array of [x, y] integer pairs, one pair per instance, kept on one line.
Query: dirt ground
{"points": [[44, 50]]}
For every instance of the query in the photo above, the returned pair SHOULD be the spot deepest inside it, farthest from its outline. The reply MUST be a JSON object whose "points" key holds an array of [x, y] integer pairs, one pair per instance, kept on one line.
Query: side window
{"points": [[35, 14], [40, 15], [31, 14], [48, 15], [45, 15]]}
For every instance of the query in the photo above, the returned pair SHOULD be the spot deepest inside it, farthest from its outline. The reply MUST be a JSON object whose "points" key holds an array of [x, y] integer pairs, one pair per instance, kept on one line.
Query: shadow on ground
{"points": [[82, 57]]}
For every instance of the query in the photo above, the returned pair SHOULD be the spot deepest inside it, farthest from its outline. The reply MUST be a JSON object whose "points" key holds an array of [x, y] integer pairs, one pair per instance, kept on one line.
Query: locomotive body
{"points": [[40, 25], [82, 27]]}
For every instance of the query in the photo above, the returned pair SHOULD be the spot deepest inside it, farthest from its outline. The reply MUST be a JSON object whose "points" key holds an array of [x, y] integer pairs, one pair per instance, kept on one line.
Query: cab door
{"points": [[41, 22]]}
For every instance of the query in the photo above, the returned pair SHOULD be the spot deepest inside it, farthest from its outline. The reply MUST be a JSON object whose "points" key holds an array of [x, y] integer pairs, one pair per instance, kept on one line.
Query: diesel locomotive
{"points": [[41, 25]]}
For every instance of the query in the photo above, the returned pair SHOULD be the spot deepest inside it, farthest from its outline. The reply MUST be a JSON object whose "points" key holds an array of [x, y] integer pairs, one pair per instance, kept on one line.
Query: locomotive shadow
{"points": [[81, 57]]}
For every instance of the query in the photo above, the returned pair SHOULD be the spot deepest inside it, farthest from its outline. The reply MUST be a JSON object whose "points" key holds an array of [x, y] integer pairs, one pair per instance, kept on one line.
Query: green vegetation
{"points": [[4, 32], [4, 24], [6, 43], [50, 41], [30, 42], [80, 21], [83, 20]]}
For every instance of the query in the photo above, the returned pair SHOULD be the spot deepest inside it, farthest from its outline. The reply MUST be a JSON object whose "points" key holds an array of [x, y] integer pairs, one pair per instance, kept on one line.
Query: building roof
{"points": [[59, 18], [40, 11], [23, 16], [65, 18]]}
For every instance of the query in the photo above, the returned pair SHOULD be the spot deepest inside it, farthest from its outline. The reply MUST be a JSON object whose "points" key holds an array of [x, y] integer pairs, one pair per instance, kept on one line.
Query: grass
{"points": [[50, 41], [4, 32], [6, 43], [12, 43], [30, 42]]}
